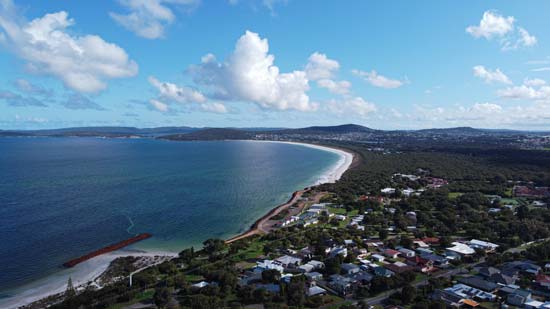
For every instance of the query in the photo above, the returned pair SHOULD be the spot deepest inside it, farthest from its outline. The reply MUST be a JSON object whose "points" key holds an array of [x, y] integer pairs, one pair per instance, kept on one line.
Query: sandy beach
{"points": [[88, 271], [265, 224]]}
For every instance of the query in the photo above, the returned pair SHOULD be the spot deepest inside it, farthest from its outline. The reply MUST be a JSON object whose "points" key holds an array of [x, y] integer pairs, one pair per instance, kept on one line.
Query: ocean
{"points": [[61, 198]]}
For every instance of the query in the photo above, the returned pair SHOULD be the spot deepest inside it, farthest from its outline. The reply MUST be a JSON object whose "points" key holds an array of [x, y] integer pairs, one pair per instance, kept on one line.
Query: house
{"points": [[289, 261], [502, 279], [514, 295], [314, 276], [306, 268], [451, 300], [339, 251], [340, 217], [438, 261], [383, 272], [268, 264], [377, 258], [543, 282], [467, 292], [200, 285], [349, 268], [420, 244], [341, 284], [273, 288], [407, 192], [315, 290], [483, 245], [407, 253], [388, 190], [459, 250], [521, 266], [390, 253], [399, 267], [488, 271], [480, 283], [362, 277], [420, 264]]}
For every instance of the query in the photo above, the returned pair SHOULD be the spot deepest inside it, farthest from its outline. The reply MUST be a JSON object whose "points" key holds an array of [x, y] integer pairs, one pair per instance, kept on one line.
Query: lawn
{"points": [[147, 294], [454, 195]]}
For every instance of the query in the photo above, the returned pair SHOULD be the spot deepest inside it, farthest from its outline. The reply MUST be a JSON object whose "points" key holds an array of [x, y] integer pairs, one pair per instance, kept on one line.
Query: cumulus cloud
{"points": [[214, 107], [249, 74], [319, 66], [321, 69], [526, 92], [495, 26], [486, 108], [351, 106], [170, 91], [491, 76], [534, 82], [83, 63], [24, 85], [158, 105], [378, 80], [337, 87], [148, 18]]}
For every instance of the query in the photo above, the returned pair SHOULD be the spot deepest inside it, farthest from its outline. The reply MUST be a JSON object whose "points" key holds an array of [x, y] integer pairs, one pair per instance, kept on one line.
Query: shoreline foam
{"points": [[91, 269]]}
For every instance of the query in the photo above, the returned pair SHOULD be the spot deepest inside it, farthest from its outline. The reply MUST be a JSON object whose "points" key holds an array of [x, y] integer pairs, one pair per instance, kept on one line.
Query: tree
{"points": [[187, 254], [214, 246], [70, 292], [271, 276], [408, 293], [382, 233], [161, 297]]}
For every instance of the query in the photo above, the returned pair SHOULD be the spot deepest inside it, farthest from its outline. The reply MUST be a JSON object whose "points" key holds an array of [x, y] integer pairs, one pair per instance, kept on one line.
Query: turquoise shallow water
{"points": [[63, 197]]}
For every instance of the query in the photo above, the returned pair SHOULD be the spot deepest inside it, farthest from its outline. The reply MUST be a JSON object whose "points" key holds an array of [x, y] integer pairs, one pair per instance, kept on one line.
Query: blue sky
{"points": [[273, 63]]}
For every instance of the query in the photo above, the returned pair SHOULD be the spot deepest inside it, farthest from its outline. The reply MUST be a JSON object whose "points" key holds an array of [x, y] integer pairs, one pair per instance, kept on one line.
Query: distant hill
{"points": [[106, 131], [210, 134], [341, 129]]}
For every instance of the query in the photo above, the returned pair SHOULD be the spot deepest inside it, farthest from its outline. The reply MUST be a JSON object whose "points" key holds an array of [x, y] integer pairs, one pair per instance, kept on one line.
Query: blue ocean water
{"points": [[61, 198]]}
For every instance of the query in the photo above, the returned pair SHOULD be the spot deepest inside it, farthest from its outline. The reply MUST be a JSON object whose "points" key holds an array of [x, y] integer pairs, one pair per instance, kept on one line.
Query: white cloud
{"points": [[214, 107], [492, 24], [337, 87], [535, 82], [249, 74], [491, 76], [158, 105], [525, 38], [526, 93], [486, 108], [351, 106], [378, 80], [321, 69], [495, 26], [148, 18], [83, 63], [319, 66], [176, 93]]}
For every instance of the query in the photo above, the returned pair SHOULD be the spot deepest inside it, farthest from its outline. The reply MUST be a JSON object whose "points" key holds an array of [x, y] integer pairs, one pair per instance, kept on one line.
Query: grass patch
{"points": [[337, 211], [145, 295], [454, 195]]}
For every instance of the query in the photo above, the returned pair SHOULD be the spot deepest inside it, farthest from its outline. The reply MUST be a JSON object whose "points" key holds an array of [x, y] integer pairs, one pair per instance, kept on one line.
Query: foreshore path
{"points": [[264, 225]]}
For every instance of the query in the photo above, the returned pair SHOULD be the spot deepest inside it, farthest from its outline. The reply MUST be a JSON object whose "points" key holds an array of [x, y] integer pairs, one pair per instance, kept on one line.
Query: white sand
{"points": [[80, 274], [91, 269], [334, 172]]}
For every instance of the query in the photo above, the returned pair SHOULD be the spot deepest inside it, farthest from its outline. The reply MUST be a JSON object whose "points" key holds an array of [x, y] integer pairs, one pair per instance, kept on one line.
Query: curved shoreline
{"points": [[347, 160], [93, 268]]}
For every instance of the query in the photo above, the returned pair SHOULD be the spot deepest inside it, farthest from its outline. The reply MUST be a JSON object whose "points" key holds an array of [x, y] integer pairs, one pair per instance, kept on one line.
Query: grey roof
{"points": [[479, 283]]}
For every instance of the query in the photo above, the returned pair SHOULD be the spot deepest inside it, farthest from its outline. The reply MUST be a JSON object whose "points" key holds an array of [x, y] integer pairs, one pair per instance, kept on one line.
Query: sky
{"points": [[274, 63]]}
